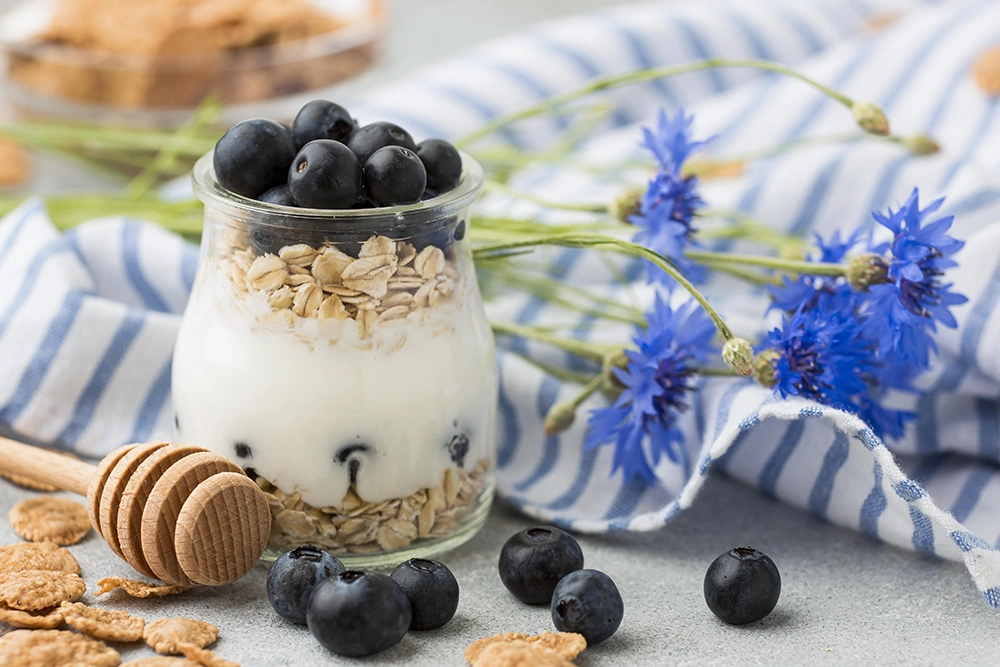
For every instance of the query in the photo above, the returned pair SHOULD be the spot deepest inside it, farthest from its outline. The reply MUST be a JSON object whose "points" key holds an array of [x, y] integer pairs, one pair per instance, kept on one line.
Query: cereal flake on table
{"points": [[50, 519], [32, 648], [108, 624], [167, 635], [34, 590], [136, 588], [37, 556]]}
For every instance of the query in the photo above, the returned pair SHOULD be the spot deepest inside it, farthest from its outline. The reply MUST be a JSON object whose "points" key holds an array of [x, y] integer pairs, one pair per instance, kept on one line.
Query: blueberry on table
{"points": [[587, 602], [292, 578], [742, 586], [394, 175], [325, 174], [432, 590], [443, 164], [534, 560], [321, 119], [369, 138], [358, 613], [279, 194], [253, 156]]}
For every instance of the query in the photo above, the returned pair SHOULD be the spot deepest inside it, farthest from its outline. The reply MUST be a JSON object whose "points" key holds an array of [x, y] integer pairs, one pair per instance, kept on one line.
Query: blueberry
{"points": [[587, 602], [742, 586], [459, 231], [253, 156], [321, 119], [358, 613], [369, 138], [458, 447], [292, 578], [394, 175], [279, 194], [534, 560], [432, 590], [443, 164], [325, 174]]}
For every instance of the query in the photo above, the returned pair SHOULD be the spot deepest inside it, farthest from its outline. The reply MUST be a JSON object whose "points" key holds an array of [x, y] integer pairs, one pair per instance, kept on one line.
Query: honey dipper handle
{"points": [[64, 472]]}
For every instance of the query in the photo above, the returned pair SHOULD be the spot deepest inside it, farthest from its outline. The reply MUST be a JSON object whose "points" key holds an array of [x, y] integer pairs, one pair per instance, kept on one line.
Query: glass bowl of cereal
{"points": [[154, 61]]}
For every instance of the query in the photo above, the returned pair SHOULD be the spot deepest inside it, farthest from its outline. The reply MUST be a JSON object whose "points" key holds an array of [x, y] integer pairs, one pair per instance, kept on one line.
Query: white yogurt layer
{"points": [[314, 404]]}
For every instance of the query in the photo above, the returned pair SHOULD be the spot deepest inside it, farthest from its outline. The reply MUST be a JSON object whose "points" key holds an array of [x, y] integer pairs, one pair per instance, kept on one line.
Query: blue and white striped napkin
{"points": [[87, 319]]}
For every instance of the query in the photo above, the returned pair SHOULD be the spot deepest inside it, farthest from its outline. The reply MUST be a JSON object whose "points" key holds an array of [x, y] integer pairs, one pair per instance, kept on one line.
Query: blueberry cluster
{"points": [[544, 565], [354, 613], [326, 161]]}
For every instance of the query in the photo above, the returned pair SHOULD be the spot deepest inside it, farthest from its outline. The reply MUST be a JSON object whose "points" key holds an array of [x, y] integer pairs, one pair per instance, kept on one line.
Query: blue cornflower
{"points": [[820, 353], [671, 200], [908, 307], [807, 290], [657, 379]]}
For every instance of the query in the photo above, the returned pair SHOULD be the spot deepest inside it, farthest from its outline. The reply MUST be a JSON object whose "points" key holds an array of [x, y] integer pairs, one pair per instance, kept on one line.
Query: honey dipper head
{"points": [[179, 513]]}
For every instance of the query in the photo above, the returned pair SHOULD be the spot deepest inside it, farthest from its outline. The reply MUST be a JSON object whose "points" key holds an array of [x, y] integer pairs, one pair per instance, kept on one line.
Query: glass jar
{"points": [[343, 358]]}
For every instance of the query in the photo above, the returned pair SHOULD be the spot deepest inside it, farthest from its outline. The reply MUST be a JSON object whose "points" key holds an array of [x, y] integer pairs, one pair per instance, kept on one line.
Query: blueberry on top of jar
{"points": [[394, 175], [322, 119], [325, 174], [279, 194], [369, 138], [442, 162], [253, 156]]}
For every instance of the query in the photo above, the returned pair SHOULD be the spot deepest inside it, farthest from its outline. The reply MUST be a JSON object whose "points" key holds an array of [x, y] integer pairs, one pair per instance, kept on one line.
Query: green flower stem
{"points": [[66, 211], [554, 371], [641, 76], [494, 186], [549, 289], [583, 240], [587, 390], [743, 226], [752, 277], [776, 263], [719, 372], [593, 351]]}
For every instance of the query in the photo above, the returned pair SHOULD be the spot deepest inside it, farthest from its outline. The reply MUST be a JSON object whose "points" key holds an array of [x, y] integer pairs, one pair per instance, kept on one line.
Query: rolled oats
{"points": [[137, 589], [34, 590], [44, 648], [356, 526], [107, 624], [37, 556], [300, 254], [166, 635], [50, 519], [370, 274], [330, 265], [429, 262], [377, 245], [268, 272], [388, 277]]}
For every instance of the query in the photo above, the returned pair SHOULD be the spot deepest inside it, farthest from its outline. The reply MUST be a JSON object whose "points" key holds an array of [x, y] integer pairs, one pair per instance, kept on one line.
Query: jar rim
{"points": [[211, 193]]}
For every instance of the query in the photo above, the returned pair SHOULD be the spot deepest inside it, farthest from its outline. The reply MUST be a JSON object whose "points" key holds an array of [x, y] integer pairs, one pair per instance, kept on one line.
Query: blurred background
{"points": [[124, 63]]}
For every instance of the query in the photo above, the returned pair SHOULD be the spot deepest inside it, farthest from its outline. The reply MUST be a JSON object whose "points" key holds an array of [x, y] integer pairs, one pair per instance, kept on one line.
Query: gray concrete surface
{"points": [[846, 600]]}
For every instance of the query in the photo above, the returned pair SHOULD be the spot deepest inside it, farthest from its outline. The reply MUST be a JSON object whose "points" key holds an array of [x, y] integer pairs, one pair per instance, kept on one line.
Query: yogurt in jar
{"points": [[317, 406]]}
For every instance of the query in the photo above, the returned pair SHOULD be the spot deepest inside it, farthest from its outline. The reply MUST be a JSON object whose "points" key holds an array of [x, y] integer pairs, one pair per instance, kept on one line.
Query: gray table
{"points": [[846, 599]]}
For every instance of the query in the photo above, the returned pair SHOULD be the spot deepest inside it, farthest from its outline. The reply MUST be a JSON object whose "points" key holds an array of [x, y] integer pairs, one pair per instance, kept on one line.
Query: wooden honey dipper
{"points": [[177, 513]]}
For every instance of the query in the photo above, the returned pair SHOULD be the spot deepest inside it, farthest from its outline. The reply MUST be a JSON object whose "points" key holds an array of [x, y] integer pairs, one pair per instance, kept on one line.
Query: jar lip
{"points": [[211, 193]]}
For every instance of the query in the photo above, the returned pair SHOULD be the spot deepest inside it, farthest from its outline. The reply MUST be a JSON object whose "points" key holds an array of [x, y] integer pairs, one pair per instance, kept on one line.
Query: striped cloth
{"points": [[87, 318]]}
